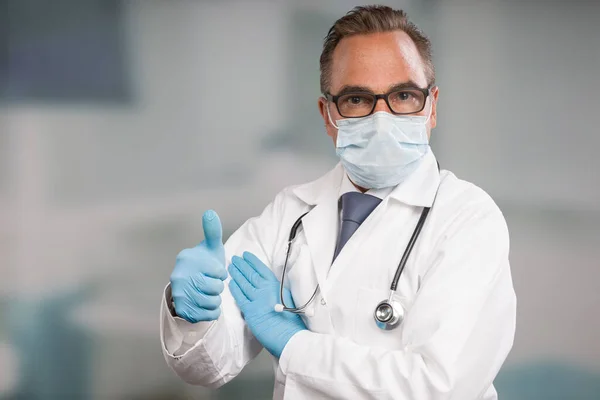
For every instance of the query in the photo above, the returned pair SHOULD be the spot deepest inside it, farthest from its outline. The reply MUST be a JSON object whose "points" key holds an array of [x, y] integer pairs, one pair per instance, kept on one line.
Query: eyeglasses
{"points": [[360, 104]]}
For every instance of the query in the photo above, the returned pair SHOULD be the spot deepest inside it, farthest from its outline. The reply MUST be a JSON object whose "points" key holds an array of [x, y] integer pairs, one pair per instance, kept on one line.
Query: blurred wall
{"points": [[217, 109]]}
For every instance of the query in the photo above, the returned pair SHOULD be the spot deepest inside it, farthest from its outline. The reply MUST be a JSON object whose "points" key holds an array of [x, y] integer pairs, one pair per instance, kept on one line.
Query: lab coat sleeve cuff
{"points": [[300, 343], [178, 335]]}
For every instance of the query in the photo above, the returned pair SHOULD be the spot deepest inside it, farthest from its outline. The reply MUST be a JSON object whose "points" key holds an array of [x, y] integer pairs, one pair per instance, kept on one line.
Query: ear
{"points": [[435, 92], [322, 104]]}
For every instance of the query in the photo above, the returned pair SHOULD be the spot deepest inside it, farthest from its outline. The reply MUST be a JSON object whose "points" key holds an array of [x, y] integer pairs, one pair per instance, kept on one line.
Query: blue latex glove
{"points": [[256, 291], [197, 279]]}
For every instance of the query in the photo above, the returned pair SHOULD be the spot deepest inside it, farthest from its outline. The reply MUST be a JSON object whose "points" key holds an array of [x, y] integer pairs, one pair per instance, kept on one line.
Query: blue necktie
{"points": [[356, 207]]}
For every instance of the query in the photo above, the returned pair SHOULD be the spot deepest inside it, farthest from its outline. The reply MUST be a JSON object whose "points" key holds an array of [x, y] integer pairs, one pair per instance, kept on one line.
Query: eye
{"points": [[355, 100], [406, 101], [355, 104], [404, 96]]}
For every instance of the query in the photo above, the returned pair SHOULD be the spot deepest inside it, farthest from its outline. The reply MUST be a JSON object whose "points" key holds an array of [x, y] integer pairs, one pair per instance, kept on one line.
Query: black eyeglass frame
{"points": [[385, 96]]}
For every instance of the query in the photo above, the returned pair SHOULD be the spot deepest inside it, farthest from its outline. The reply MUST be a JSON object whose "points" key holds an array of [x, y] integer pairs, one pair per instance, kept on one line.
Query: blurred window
{"points": [[62, 50]]}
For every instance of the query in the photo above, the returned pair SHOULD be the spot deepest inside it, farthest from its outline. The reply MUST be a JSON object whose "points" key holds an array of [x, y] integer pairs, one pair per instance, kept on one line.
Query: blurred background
{"points": [[121, 122]]}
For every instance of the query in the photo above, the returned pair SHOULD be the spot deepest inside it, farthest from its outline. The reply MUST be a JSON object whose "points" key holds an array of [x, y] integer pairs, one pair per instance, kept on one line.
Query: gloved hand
{"points": [[256, 291], [197, 279]]}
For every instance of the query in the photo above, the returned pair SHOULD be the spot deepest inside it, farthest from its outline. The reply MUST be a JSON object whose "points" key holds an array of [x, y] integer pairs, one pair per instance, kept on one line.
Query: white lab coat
{"points": [[456, 289]]}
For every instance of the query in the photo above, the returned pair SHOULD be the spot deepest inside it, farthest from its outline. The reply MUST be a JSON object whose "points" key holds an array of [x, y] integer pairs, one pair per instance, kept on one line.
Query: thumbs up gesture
{"points": [[197, 279]]}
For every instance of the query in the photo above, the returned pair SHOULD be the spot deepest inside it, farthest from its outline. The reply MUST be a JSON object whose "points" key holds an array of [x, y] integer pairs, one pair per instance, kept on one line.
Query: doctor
{"points": [[448, 325]]}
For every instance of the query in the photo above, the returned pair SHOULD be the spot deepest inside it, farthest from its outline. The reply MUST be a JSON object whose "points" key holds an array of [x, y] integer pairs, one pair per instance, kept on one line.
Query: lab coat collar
{"points": [[418, 189], [312, 193]]}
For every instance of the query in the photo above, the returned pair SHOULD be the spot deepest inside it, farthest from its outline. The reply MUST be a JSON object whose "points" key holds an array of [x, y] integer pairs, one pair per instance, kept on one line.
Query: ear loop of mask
{"points": [[336, 127], [430, 111], [329, 115]]}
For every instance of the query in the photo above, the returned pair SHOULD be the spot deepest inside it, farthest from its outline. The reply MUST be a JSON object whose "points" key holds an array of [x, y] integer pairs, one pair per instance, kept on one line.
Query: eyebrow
{"points": [[404, 85], [363, 89]]}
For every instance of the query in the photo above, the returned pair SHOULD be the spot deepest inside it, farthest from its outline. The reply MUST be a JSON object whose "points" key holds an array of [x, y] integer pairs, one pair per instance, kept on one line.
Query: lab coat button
{"points": [[323, 302]]}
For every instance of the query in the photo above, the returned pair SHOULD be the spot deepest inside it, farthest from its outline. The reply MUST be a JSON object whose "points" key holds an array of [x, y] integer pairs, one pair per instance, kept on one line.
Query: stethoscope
{"points": [[389, 313]]}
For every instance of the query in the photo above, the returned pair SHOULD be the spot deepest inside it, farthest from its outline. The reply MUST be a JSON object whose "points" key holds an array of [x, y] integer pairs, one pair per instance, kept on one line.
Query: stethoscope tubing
{"points": [[393, 286], [301, 309]]}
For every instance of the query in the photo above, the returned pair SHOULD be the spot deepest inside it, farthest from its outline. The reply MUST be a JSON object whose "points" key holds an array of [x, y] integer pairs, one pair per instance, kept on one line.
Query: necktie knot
{"points": [[356, 207]]}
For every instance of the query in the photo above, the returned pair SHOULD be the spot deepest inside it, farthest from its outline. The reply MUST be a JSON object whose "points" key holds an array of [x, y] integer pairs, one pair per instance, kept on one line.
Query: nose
{"points": [[381, 105]]}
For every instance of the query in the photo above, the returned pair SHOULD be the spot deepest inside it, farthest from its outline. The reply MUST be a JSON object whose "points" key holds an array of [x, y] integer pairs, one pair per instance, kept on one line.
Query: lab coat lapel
{"points": [[374, 224], [321, 223], [320, 228]]}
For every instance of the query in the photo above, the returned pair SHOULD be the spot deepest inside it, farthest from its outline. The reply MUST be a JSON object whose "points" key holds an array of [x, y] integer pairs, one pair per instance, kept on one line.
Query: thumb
{"points": [[213, 231]]}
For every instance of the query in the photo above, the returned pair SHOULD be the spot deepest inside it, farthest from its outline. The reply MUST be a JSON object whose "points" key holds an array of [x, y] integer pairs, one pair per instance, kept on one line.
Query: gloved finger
{"points": [[185, 315], [197, 259], [239, 278], [239, 296], [199, 314], [213, 268], [207, 285], [213, 230], [185, 256], [182, 305], [249, 272], [205, 301], [259, 266]]}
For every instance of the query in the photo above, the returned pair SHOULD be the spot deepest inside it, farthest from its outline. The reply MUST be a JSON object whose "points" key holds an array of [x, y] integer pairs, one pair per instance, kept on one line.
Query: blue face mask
{"points": [[381, 150]]}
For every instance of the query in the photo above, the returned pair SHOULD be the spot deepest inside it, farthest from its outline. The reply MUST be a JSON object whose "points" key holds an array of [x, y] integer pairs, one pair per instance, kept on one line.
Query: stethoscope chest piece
{"points": [[388, 315]]}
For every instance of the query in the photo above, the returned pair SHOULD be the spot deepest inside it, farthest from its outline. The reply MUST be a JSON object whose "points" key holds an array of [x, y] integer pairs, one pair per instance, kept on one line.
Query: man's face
{"points": [[377, 62]]}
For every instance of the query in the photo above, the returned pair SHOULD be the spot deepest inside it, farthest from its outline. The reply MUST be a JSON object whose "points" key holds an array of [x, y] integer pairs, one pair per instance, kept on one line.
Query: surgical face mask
{"points": [[382, 149]]}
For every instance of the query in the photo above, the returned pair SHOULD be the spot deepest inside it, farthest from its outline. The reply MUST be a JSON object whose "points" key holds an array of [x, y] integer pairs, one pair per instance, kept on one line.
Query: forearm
{"points": [[345, 369], [339, 368], [180, 334], [454, 359], [208, 354]]}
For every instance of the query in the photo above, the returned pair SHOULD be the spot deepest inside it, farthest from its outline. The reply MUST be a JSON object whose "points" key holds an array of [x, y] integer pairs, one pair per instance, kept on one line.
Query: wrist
{"points": [[169, 301], [288, 339], [298, 345]]}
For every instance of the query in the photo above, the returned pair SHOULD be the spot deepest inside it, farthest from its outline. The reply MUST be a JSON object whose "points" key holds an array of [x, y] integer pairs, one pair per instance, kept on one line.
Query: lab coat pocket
{"points": [[366, 331]]}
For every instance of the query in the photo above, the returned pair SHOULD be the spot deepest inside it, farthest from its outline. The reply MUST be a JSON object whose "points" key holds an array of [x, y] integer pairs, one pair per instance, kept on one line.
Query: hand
{"points": [[256, 291], [197, 279]]}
